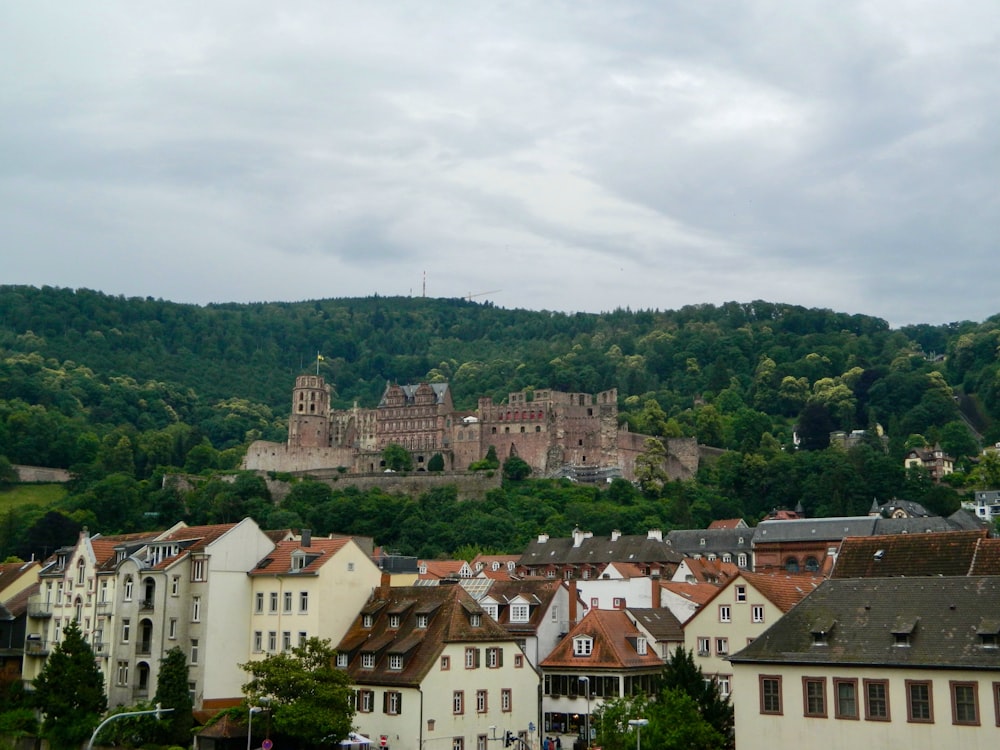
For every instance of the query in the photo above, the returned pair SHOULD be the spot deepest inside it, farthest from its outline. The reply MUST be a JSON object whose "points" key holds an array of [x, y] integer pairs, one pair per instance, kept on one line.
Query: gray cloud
{"points": [[575, 156]]}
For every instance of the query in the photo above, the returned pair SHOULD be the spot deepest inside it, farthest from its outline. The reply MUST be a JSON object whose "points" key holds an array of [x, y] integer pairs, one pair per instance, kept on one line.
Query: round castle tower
{"points": [[309, 422]]}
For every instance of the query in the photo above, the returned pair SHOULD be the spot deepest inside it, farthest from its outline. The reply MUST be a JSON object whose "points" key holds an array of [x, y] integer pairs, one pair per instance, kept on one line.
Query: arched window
{"points": [[81, 571], [127, 587], [792, 565], [78, 610], [812, 564], [143, 670]]}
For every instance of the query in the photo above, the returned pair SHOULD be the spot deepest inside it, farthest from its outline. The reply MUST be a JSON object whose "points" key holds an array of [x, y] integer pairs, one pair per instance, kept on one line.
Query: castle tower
{"points": [[309, 423]]}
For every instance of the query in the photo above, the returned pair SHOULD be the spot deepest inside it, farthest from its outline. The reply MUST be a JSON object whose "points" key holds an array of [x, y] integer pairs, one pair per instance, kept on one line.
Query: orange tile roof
{"points": [[783, 590], [279, 561], [948, 553], [440, 568], [727, 523], [699, 593], [614, 637]]}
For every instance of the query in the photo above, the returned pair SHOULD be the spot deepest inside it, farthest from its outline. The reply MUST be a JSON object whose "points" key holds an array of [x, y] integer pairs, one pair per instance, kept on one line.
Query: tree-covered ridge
{"points": [[120, 390]]}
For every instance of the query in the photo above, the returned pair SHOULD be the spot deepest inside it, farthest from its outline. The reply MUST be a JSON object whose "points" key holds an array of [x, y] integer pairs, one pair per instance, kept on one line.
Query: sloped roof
{"points": [[449, 607], [944, 553], [861, 617], [279, 560], [441, 568], [987, 559], [716, 540], [911, 525], [728, 523], [698, 593], [659, 623], [614, 637], [11, 572], [783, 590], [538, 592], [594, 550], [198, 538], [811, 529], [711, 571], [18, 605]]}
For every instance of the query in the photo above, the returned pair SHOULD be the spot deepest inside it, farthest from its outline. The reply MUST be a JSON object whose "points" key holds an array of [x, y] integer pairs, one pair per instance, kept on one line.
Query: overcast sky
{"points": [[569, 156]]}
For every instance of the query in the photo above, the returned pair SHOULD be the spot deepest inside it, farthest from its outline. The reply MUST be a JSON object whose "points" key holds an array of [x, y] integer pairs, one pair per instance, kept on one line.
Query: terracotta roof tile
{"points": [[987, 559], [614, 637], [279, 560], [699, 593]]}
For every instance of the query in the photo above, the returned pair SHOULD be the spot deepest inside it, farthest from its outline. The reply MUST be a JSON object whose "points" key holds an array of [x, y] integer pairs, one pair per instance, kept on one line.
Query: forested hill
{"points": [[186, 362], [122, 390]]}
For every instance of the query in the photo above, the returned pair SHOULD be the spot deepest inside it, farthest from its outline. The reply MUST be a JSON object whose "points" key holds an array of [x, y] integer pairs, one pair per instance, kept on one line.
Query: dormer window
{"points": [[493, 610], [701, 542], [640, 646], [475, 619], [366, 621], [342, 660], [903, 630], [989, 633], [298, 560], [519, 612], [395, 662], [368, 660], [422, 621], [393, 621], [583, 646]]}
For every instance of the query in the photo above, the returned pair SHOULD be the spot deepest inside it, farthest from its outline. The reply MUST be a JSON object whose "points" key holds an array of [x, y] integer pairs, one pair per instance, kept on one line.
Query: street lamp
{"points": [[586, 686], [253, 710], [638, 724]]}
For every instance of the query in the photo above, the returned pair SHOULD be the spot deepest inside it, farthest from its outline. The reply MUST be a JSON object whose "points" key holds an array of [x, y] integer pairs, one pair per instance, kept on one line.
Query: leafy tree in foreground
{"points": [[674, 723], [69, 691], [310, 699], [682, 674], [172, 692], [515, 469]]}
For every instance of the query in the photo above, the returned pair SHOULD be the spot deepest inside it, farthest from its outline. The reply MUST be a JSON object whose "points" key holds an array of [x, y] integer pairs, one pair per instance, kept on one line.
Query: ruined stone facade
{"points": [[557, 434]]}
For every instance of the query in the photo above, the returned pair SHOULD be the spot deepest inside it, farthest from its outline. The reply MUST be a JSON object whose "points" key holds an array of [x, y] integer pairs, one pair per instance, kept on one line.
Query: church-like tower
{"points": [[309, 423]]}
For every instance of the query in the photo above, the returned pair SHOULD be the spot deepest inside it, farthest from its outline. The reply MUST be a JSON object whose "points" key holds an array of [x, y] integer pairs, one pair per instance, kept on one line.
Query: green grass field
{"points": [[30, 494]]}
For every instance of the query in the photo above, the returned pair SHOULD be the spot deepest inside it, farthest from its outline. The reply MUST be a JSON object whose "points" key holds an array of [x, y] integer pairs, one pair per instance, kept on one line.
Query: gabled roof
{"points": [[697, 593], [659, 623], [17, 605], [11, 572], [448, 609], [279, 560], [710, 571], [784, 591], [937, 554], [193, 539], [614, 645], [729, 523], [887, 622], [987, 559], [441, 568], [537, 592]]}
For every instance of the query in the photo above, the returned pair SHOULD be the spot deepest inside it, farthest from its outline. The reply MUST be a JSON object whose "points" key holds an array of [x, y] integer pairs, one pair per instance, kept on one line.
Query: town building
{"points": [[430, 667], [584, 556], [605, 656], [305, 588], [538, 612], [876, 662], [743, 608], [985, 504], [934, 461]]}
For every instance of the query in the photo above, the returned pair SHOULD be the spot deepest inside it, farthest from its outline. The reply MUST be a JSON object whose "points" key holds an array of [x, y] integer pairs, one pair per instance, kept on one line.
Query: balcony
{"points": [[100, 649], [144, 648], [104, 608], [36, 647], [38, 609], [146, 605]]}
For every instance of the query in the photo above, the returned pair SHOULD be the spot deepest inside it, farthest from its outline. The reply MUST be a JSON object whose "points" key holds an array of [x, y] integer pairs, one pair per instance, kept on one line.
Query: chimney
{"points": [[543, 538], [654, 578], [615, 535], [307, 537], [572, 603], [384, 585], [655, 534]]}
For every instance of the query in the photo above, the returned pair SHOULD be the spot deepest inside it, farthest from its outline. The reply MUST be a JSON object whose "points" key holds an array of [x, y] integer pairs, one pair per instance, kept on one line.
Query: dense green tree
{"points": [[515, 469], [172, 692], [69, 691], [309, 699], [436, 463], [683, 675]]}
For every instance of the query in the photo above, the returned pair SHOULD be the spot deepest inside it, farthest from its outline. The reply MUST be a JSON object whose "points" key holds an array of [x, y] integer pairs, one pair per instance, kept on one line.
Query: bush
{"points": [[19, 721]]}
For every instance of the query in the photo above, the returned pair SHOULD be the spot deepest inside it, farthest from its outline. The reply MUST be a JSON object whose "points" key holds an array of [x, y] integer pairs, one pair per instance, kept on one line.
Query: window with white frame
{"points": [[422, 621], [123, 673], [583, 646], [287, 609], [475, 620], [273, 601], [129, 588], [506, 700], [741, 593], [395, 662], [482, 701], [126, 630], [519, 612], [342, 660], [704, 646], [757, 613], [194, 650], [303, 602], [272, 641], [458, 702], [258, 603], [393, 702], [721, 646], [195, 609], [172, 628], [175, 586], [286, 640], [198, 570], [367, 621], [725, 613], [640, 646], [471, 658], [368, 660], [258, 641], [393, 621]]}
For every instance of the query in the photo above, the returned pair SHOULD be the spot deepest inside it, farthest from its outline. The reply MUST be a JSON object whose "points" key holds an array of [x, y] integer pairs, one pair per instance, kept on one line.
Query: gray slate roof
{"points": [[717, 541], [864, 619], [599, 550], [802, 529]]}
